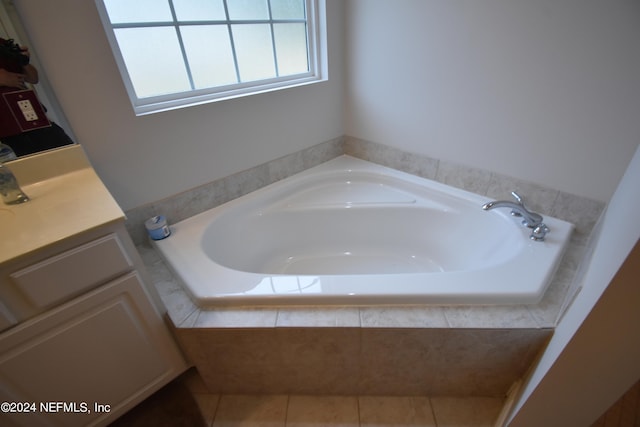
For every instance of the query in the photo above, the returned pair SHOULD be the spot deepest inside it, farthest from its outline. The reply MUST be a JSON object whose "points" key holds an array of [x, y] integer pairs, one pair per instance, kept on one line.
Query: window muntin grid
{"points": [[183, 52]]}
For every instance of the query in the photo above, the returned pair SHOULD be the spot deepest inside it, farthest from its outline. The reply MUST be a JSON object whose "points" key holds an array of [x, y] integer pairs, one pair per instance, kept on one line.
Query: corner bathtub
{"points": [[353, 232]]}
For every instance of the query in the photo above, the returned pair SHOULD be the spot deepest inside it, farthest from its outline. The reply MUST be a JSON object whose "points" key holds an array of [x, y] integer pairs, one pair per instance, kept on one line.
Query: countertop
{"points": [[67, 198]]}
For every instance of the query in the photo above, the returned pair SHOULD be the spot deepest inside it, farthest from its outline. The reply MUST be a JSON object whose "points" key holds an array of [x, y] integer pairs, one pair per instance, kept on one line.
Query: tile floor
{"points": [[177, 402]]}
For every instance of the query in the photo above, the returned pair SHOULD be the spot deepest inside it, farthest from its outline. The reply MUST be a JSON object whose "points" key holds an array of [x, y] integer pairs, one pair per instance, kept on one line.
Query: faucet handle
{"points": [[538, 233], [517, 197], [519, 200], [537, 220]]}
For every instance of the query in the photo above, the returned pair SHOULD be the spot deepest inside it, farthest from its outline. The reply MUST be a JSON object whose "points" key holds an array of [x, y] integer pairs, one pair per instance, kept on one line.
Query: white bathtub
{"points": [[352, 232]]}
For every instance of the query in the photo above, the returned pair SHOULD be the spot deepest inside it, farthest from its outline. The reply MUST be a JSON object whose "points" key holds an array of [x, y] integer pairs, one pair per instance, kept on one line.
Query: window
{"points": [[175, 53]]}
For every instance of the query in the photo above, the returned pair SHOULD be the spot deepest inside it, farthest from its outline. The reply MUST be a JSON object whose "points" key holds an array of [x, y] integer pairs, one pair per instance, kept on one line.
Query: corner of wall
{"points": [[620, 231]]}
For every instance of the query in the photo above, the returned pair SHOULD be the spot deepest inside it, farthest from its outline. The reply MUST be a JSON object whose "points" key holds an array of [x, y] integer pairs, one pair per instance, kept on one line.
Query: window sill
{"points": [[158, 104]]}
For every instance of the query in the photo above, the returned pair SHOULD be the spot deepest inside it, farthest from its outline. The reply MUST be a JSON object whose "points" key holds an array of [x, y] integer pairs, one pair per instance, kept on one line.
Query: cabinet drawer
{"points": [[64, 276], [6, 317]]}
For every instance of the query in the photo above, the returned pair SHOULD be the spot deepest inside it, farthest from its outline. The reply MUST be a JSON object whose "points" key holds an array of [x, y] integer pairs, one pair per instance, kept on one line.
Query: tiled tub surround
{"points": [[362, 361], [192, 202], [436, 350]]}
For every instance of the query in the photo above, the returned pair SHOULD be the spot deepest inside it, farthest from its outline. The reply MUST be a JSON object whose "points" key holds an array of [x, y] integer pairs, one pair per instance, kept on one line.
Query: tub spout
{"points": [[529, 219]]}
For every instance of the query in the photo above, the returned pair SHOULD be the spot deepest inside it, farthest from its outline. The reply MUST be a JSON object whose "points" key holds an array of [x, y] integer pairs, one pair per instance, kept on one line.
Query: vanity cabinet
{"points": [[89, 341], [83, 333]]}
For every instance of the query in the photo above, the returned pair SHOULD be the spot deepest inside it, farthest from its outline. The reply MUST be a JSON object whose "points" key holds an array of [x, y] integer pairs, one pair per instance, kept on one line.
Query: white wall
{"points": [[541, 90], [544, 90], [587, 366], [144, 159]]}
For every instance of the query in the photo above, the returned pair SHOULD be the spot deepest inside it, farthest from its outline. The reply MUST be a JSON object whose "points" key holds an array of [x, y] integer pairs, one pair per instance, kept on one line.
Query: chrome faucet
{"points": [[530, 219], [9, 188]]}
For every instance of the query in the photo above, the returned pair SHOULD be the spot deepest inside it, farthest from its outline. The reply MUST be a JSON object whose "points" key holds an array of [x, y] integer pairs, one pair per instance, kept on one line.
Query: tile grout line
{"points": [[215, 413], [286, 412], [446, 319], [433, 411]]}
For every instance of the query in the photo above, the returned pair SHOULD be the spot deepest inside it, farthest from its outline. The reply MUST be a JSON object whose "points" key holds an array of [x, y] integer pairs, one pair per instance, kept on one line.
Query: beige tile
{"points": [[179, 305], [412, 163], [237, 318], [180, 308], [398, 361], [466, 412], [189, 203], [251, 411], [318, 411], [208, 404], [482, 362], [147, 253], [322, 152], [580, 211], [516, 316], [546, 312], [190, 320], [387, 411], [286, 166], [189, 342], [403, 317], [236, 360], [319, 361], [318, 317], [464, 177]]}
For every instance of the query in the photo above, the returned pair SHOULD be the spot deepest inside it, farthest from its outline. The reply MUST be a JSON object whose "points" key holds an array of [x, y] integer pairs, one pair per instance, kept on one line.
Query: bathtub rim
{"points": [[503, 295]]}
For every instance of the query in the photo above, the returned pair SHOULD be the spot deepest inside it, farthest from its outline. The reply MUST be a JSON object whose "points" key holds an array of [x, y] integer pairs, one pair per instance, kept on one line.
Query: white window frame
{"points": [[318, 69]]}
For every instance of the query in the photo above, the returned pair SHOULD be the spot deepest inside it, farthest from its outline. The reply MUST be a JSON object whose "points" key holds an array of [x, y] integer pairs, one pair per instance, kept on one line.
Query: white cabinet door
{"points": [[87, 361]]}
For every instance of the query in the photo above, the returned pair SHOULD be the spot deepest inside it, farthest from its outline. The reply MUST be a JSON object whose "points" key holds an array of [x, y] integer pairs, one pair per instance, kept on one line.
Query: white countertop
{"points": [[67, 198]]}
